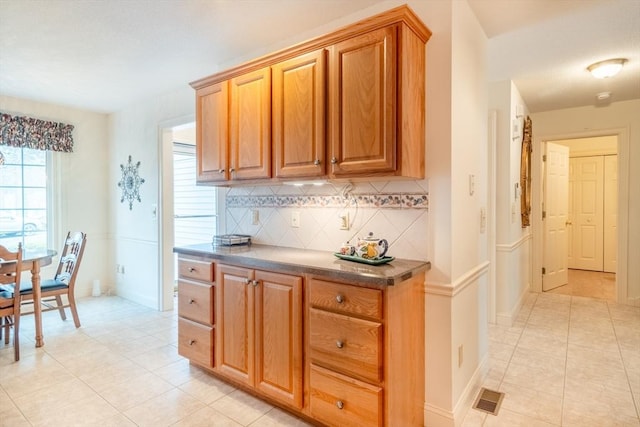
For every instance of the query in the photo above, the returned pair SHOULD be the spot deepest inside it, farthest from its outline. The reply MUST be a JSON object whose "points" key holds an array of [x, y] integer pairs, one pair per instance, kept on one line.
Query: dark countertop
{"points": [[306, 261]]}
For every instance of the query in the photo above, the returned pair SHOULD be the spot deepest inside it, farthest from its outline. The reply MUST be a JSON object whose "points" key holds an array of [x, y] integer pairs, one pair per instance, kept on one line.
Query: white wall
{"points": [[457, 288], [80, 203], [513, 243], [135, 132], [618, 118]]}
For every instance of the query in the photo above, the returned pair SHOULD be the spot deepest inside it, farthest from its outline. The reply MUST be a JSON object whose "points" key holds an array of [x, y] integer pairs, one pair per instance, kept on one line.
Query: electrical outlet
{"points": [[344, 221], [295, 219], [255, 217]]}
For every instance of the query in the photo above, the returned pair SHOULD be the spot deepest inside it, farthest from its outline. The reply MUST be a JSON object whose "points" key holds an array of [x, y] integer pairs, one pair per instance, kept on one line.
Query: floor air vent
{"points": [[488, 401]]}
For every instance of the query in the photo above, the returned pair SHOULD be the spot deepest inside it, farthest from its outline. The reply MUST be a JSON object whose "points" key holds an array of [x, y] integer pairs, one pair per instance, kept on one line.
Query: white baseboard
{"points": [[126, 293], [508, 318], [471, 390], [438, 417]]}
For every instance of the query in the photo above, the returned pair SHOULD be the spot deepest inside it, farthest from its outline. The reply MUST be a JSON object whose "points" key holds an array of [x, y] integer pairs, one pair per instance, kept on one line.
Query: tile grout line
{"points": [[513, 352], [566, 362], [636, 404]]}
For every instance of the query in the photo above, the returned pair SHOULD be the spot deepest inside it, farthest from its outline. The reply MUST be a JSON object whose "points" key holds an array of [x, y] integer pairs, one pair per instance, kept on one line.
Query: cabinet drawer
{"points": [[338, 400], [194, 269], [347, 299], [347, 344], [195, 342], [195, 301]]}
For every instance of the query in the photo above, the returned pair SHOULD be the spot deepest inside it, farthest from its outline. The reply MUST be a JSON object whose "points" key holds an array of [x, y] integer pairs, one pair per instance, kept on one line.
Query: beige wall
{"points": [[80, 202]]}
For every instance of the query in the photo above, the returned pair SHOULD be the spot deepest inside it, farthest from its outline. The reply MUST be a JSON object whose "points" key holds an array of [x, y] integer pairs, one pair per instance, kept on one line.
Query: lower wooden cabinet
{"points": [[195, 342], [196, 310], [260, 331], [342, 401], [365, 353], [340, 354]]}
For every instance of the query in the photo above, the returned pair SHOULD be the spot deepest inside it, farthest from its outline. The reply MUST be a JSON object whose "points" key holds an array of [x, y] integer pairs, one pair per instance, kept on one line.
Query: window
{"points": [[23, 197], [195, 207]]}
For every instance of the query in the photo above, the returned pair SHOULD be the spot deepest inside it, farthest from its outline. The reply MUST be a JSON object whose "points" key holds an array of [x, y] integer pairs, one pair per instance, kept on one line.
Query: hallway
{"points": [[567, 361]]}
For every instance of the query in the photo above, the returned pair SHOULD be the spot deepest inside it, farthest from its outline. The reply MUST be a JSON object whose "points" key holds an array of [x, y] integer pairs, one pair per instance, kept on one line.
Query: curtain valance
{"points": [[28, 132]]}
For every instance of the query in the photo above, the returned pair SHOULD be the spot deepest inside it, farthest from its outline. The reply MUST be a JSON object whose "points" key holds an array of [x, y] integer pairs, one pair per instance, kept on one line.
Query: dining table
{"points": [[33, 260]]}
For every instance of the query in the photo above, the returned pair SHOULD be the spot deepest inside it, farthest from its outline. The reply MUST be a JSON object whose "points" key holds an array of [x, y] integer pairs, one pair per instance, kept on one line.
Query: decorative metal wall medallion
{"points": [[130, 183]]}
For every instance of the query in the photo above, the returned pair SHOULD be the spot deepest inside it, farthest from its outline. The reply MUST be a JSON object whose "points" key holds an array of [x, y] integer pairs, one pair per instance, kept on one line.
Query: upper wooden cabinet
{"points": [[299, 116], [212, 132], [345, 105], [250, 141], [362, 102]]}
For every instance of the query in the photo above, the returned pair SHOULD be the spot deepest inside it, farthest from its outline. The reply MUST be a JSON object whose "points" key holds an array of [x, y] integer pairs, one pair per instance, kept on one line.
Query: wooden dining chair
{"points": [[10, 272], [63, 283]]}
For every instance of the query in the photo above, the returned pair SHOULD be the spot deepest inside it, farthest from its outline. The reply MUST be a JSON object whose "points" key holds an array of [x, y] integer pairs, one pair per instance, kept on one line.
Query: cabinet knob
{"points": [[339, 344], [334, 160], [191, 301], [191, 269], [339, 299], [232, 170], [192, 342], [255, 282], [316, 162], [340, 404], [247, 281], [221, 171]]}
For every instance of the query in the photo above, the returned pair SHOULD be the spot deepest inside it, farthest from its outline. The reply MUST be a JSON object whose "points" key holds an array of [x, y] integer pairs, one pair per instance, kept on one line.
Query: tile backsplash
{"points": [[396, 211]]}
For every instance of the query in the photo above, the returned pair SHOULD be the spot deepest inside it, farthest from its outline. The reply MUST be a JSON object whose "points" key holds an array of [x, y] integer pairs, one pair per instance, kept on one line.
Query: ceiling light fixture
{"points": [[608, 68]]}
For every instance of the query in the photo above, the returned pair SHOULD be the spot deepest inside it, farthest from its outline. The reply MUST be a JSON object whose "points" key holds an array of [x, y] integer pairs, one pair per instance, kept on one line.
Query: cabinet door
{"points": [[279, 336], [362, 104], [212, 132], [235, 323], [298, 116], [251, 125]]}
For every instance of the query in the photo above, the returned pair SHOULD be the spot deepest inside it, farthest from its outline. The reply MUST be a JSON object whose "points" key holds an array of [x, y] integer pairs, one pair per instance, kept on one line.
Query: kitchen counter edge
{"points": [[306, 261]]}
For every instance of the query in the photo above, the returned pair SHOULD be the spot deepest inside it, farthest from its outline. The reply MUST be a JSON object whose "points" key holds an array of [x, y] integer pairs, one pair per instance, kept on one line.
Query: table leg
{"points": [[37, 308]]}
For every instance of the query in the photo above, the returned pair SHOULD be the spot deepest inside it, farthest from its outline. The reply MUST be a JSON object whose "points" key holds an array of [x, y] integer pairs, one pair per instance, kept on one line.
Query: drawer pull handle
{"points": [[339, 298], [192, 342], [340, 344], [191, 269], [191, 301], [340, 404]]}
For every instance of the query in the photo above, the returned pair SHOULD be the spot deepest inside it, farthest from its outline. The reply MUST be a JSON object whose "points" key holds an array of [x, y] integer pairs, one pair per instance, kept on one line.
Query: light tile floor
{"points": [[568, 361], [121, 368], [592, 284]]}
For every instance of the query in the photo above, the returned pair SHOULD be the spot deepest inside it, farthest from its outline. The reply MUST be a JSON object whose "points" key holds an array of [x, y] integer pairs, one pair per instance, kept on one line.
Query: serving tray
{"points": [[378, 261]]}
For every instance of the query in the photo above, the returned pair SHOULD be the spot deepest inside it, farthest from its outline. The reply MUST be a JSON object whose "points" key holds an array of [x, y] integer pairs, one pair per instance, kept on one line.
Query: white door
{"points": [[588, 213], [610, 213], [556, 207]]}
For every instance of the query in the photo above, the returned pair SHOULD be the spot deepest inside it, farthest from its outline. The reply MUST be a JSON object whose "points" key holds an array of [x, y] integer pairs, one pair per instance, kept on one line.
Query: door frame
{"points": [[164, 209], [537, 229]]}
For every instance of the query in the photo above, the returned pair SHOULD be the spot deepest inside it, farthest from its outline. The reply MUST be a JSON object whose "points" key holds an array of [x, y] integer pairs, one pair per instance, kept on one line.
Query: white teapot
{"points": [[371, 247]]}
